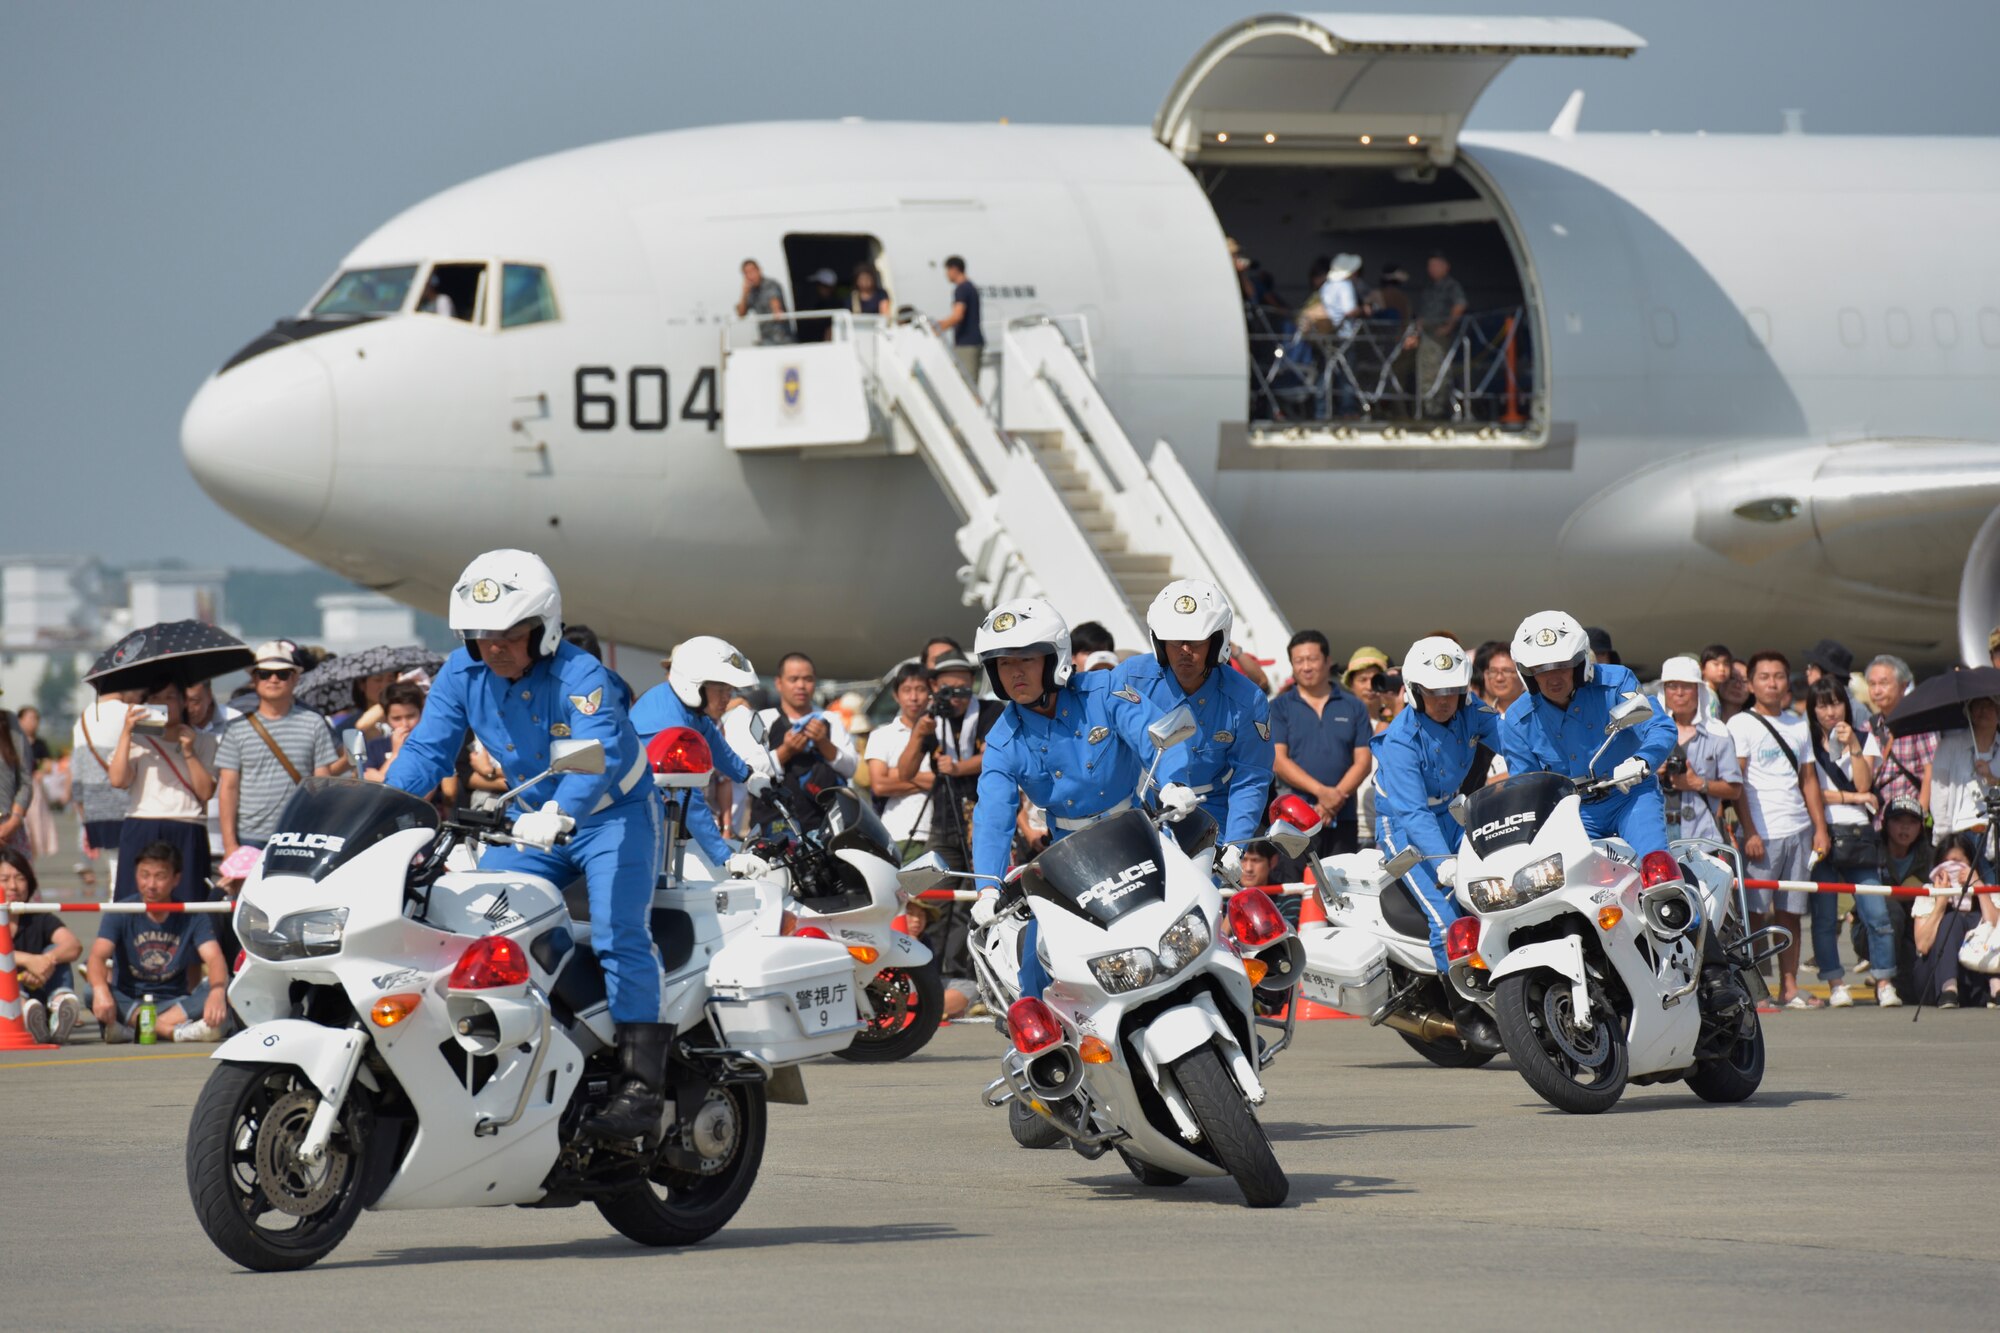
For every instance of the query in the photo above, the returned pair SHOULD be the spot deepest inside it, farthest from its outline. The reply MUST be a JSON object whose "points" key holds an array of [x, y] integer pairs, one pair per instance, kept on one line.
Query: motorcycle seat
{"points": [[1402, 912], [673, 929]]}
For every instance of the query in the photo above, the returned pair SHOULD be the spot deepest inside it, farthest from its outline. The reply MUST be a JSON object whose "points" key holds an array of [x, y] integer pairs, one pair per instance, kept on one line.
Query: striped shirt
{"points": [[1901, 771], [265, 786]]}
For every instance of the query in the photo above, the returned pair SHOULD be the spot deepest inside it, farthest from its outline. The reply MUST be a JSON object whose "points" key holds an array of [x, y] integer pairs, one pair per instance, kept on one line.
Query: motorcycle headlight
{"points": [[1126, 970], [1539, 877], [1491, 895], [1186, 940], [300, 935]]}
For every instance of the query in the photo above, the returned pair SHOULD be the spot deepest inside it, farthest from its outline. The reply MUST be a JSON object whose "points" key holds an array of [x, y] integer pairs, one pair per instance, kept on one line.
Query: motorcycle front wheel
{"points": [[1230, 1130], [1579, 1072], [1735, 1076], [909, 1005], [676, 1206], [263, 1208]]}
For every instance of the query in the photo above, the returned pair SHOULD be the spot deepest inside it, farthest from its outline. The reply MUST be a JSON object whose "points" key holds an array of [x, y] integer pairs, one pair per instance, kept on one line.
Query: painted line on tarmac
{"points": [[106, 1060]]}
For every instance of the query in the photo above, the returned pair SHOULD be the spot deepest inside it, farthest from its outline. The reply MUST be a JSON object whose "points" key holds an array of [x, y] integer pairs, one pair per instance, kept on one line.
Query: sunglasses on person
{"points": [[273, 673]]}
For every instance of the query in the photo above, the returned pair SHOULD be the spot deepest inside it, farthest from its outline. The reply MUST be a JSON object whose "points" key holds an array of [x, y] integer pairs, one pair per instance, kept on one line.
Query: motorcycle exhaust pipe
{"points": [[1055, 1074], [1430, 1025]]}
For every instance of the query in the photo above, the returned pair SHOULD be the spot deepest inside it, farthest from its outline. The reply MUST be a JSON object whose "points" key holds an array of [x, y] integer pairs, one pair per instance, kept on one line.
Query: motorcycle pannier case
{"points": [[784, 999], [1347, 970]]}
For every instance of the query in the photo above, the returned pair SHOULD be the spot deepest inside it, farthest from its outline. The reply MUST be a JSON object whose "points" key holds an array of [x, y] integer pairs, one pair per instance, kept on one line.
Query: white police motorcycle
{"points": [[1145, 1039], [1603, 968], [424, 1037]]}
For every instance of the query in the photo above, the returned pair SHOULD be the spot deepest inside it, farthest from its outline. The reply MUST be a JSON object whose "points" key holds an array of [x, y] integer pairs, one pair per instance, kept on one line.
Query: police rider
{"points": [[701, 675], [517, 686], [1559, 724], [1228, 762], [1057, 742]]}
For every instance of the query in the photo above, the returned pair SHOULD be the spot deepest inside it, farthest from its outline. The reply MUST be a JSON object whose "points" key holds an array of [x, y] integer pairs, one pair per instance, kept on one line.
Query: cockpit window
{"points": [[525, 295], [368, 291]]}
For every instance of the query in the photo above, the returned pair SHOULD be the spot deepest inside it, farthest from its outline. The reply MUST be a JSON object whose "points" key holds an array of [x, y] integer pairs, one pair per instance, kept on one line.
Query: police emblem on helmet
{"points": [[736, 660], [1442, 661], [484, 591], [1185, 606], [1545, 639], [1003, 622]]}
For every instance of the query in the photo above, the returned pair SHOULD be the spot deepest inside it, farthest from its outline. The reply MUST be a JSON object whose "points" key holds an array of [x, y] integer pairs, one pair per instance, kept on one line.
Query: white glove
{"points": [[1177, 801], [757, 784], [1447, 872], [747, 865], [540, 828], [985, 907], [1630, 773], [1232, 865]]}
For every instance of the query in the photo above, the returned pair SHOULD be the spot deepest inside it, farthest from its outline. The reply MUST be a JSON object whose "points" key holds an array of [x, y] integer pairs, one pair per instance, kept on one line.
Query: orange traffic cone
{"points": [[13, 1032]]}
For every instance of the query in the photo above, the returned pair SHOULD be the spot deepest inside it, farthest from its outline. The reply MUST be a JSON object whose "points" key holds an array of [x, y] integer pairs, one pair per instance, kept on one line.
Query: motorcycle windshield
{"points": [[330, 821], [1103, 872], [851, 822], [1510, 811]]}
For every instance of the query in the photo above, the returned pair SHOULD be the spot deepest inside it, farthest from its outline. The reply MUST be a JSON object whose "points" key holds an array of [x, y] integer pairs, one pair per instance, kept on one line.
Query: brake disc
{"points": [[713, 1132], [290, 1185], [1586, 1046]]}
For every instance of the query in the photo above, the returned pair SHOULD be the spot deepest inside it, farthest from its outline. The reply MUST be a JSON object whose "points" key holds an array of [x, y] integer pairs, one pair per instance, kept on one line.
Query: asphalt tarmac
{"points": [[1856, 1191]]}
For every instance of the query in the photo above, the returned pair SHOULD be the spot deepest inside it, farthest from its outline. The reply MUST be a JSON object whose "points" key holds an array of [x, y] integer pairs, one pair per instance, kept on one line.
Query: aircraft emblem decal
{"points": [[587, 704], [1184, 605], [484, 591], [791, 390]]}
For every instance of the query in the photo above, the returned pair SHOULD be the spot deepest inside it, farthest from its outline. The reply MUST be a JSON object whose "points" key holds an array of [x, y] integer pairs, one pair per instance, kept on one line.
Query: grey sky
{"points": [[173, 177]]}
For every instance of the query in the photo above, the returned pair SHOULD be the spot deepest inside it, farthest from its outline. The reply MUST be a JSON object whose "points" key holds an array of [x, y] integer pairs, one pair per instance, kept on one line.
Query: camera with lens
{"points": [[1672, 767], [942, 700]]}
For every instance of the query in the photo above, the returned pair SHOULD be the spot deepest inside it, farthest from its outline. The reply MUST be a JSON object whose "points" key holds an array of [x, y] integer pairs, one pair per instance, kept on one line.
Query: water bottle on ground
{"points": [[149, 1014]]}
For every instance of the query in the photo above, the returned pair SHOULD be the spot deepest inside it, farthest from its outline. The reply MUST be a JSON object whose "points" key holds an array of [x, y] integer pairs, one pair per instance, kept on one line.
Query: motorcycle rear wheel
{"points": [[1734, 1077], [1521, 1005], [676, 1207], [247, 1120], [1447, 1053], [909, 1005], [1148, 1174], [1231, 1131]]}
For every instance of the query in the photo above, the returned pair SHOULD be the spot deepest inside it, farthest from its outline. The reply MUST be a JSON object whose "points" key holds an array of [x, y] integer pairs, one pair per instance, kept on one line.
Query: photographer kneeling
{"points": [[948, 740]]}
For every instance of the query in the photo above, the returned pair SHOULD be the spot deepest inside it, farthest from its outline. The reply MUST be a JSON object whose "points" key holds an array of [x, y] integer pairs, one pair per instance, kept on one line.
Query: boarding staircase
{"points": [[1055, 499]]}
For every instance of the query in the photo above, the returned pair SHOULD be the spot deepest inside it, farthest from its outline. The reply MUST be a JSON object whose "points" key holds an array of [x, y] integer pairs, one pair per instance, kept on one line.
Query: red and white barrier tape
{"points": [[1865, 890], [114, 909]]}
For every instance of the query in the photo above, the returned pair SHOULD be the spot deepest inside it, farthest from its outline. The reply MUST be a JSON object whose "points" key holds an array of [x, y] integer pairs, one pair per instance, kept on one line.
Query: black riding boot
{"points": [[634, 1111], [1475, 1027]]}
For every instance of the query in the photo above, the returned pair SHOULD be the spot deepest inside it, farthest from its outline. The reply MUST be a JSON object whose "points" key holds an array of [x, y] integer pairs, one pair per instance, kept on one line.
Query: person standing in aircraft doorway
{"points": [[762, 296], [968, 339], [1439, 307]]}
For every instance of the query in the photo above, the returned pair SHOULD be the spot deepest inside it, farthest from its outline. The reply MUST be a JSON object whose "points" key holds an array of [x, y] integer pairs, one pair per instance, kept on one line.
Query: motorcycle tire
{"points": [[1734, 1077], [909, 1026], [1447, 1054], [1031, 1130], [1148, 1174], [1230, 1130], [1551, 1069], [676, 1207], [244, 1118]]}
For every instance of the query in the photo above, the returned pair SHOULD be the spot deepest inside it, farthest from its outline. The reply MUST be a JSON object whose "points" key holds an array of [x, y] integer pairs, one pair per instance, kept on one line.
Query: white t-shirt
{"points": [[1955, 783], [1337, 296], [1842, 814], [1770, 781], [161, 777], [908, 816]]}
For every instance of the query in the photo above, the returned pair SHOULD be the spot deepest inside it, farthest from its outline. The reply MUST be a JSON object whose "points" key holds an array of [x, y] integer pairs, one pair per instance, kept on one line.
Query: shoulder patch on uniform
{"points": [[1097, 734], [1225, 737], [1128, 694], [1263, 729], [588, 704], [559, 730]]}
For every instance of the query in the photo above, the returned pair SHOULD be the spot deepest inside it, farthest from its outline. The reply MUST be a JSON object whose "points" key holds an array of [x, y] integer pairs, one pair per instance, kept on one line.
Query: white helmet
{"points": [[501, 589], [1187, 611], [1551, 639], [1022, 628], [1435, 665], [705, 658]]}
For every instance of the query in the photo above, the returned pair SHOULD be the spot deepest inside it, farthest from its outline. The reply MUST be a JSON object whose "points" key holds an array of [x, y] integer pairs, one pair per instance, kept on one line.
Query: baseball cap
{"points": [[1904, 805], [1680, 671], [1365, 657], [1099, 660], [275, 655], [953, 663], [826, 277]]}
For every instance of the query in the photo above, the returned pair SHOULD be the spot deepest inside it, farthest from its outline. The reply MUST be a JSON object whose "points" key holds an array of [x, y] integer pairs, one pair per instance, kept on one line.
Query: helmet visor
{"points": [[518, 630]]}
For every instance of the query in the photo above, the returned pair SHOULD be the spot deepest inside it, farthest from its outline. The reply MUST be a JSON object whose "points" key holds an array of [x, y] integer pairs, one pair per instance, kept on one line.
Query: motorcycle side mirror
{"points": [[1628, 712], [926, 872], [758, 731], [1291, 841], [1461, 805], [1402, 863], [356, 746], [576, 756], [1173, 729]]}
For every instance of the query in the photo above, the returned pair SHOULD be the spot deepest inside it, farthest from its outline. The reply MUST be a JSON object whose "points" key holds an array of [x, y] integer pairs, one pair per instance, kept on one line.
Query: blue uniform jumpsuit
{"points": [[1074, 764], [1228, 761], [1419, 768], [1538, 737], [660, 708], [617, 844]]}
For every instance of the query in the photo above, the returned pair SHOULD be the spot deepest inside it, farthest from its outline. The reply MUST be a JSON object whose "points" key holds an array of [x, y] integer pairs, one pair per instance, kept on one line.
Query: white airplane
{"points": [[1755, 380]]}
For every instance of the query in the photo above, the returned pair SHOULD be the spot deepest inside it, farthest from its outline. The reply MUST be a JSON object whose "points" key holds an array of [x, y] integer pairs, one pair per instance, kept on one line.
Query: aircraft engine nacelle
{"points": [[1979, 592]]}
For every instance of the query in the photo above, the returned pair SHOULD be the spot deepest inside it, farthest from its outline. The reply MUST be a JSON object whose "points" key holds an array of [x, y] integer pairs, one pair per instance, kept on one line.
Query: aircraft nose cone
{"points": [[259, 437]]}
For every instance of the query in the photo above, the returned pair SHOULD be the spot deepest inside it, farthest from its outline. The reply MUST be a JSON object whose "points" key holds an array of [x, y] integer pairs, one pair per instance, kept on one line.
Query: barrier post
{"points": [[14, 1034]]}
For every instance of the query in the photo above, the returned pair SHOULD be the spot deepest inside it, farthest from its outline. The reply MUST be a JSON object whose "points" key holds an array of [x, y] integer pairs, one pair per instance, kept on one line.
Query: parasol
{"points": [[329, 687], [1938, 704], [180, 651]]}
